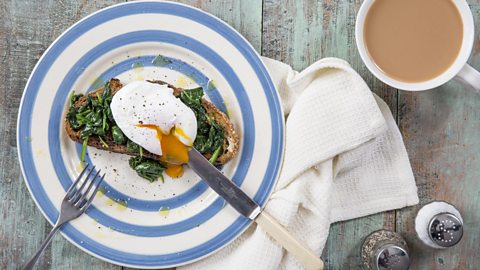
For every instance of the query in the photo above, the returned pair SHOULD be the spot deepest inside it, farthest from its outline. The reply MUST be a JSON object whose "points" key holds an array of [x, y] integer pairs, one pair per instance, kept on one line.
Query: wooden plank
{"points": [[245, 16], [27, 29], [31, 27], [300, 33], [23, 226], [20, 218], [440, 129]]}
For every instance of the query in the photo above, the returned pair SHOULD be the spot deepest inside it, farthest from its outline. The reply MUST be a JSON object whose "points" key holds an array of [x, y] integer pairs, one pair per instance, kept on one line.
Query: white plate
{"points": [[136, 223]]}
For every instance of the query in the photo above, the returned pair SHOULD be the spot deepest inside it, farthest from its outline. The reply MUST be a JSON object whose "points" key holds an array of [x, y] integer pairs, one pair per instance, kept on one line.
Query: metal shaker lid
{"points": [[384, 249], [392, 257], [445, 229]]}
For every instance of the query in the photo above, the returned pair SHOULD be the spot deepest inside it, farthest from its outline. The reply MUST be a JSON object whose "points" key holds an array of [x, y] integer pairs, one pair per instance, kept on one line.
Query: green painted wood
{"points": [[245, 16], [300, 33], [441, 131], [27, 28], [440, 128], [31, 27]]}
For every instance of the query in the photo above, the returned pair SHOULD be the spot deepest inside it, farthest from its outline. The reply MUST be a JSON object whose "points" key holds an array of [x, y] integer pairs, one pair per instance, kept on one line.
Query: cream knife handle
{"points": [[306, 256]]}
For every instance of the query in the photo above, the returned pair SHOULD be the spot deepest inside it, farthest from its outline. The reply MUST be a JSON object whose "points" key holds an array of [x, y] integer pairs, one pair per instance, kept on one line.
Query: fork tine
{"points": [[72, 187], [90, 185], [89, 201], [76, 194]]}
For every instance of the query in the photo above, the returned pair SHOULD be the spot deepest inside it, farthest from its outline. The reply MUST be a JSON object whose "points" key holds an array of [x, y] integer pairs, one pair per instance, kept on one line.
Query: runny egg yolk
{"points": [[174, 152]]}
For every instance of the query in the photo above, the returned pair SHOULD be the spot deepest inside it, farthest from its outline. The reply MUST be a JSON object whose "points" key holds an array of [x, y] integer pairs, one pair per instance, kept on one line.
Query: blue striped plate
{"points": [[133, 222]]}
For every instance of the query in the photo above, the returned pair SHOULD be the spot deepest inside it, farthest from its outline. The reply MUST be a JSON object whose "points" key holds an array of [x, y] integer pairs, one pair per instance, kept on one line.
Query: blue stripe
{"points": [[24, 123], [137, 37], [119, 68]]}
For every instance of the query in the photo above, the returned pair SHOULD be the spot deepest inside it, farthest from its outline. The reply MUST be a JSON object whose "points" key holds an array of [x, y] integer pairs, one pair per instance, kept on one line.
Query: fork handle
{"points": [[29, 265], [305, 255]]}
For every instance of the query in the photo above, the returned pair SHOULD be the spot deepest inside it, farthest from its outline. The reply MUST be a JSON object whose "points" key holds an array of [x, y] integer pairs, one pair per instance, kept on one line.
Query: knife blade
{"points": [[223, 186]]}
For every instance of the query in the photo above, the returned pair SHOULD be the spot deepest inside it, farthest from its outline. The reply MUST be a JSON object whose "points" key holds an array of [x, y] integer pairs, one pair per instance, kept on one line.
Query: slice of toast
{"points": [[230, 144]]}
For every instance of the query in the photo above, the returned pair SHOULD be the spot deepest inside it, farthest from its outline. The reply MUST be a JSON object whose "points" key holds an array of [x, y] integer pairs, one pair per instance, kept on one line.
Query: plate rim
{"points": [[266, 73]]}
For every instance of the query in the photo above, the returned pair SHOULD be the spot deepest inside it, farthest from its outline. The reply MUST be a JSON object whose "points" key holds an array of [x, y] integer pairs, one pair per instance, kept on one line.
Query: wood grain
{"points": [[27, 29], [22, 227], [245, 16], [440, 128], [300, 33], [441, 131]]}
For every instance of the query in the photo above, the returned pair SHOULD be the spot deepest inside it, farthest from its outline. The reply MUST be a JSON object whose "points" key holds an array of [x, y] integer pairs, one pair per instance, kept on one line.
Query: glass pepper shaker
{"points": [[439, 225], [385, 250]]}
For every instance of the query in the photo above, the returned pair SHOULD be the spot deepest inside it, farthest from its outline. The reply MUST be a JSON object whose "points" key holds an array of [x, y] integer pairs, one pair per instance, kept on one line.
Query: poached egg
{"points": [[152, 117]]}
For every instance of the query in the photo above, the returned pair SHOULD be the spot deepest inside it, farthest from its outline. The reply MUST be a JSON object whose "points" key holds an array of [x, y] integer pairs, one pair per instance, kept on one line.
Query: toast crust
{"points": [[230, 143]]}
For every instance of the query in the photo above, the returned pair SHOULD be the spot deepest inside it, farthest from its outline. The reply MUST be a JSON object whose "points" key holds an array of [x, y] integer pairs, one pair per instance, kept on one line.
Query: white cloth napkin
{"points": [[344, 158]]}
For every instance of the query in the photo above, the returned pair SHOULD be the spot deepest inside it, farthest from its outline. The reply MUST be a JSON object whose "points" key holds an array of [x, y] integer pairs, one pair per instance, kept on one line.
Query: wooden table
{"points": [[441, 128]]}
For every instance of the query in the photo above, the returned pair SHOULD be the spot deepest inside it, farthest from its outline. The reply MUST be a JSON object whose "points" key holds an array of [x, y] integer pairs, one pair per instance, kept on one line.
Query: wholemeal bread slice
{"points": [[230, 144]]}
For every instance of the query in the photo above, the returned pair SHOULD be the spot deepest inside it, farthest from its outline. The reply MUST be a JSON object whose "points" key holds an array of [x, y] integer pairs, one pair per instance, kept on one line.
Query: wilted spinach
{"points": [[133, 147], [92, 116], [149, 169], [95, 118], [72, 111], [118, 136], [210, 134]]}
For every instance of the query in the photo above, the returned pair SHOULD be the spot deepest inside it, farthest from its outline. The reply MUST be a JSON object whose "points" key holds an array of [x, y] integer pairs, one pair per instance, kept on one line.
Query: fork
{"points": [[76, 201]]}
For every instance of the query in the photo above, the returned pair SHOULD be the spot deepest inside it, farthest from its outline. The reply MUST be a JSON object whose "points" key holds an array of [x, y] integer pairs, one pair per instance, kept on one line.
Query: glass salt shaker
{"points": [[385, 250], [439, 225]]}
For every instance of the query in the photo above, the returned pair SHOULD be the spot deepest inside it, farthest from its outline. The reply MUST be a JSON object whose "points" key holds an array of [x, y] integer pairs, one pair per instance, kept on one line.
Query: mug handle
{"points": [[470, 77]]}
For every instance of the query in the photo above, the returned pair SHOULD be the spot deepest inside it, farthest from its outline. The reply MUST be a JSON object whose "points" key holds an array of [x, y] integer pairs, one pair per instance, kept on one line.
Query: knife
{"points": [[247, 207]]}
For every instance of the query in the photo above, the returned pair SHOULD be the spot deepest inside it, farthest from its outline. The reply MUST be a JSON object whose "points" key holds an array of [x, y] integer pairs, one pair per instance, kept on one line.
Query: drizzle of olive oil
{"points": [[110, 202], [101, 191], [183, 81], [122, 205], [164, 211], [211, 85], [138, 70]]}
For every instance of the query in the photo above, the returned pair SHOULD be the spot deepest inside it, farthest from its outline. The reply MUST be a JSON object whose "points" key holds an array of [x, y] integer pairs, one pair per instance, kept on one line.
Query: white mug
{"points": [[459, 70]]}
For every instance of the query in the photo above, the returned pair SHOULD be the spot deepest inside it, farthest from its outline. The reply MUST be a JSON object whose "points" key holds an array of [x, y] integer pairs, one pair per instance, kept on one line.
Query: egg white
{"points": [[141, 102]]}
